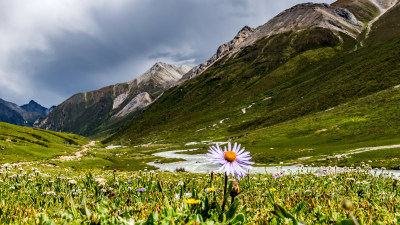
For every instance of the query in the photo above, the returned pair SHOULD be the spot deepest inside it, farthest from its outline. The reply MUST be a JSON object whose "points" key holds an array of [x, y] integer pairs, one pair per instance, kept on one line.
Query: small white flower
{"points": [[188, 195], [72, 182]]}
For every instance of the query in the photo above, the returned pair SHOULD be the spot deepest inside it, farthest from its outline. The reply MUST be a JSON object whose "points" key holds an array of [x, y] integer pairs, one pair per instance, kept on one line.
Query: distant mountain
{"points": [[8, 113], [33, 106], [108, 108], [24, 115]]}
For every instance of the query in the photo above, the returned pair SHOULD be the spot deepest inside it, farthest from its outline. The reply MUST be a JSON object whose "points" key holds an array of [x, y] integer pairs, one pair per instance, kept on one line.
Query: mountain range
{"points": [[24, 115], [268, 87], [95, 112]]}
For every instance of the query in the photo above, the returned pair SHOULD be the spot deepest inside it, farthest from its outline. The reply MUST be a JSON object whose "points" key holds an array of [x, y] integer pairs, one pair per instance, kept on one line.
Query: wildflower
{"points": [[72, 182], [12, 187], [141, 189], [100, 181], [192, 201], [188, 195], [129, 182], [210, 189], [272, 189], [181, 183], [231, 159]]}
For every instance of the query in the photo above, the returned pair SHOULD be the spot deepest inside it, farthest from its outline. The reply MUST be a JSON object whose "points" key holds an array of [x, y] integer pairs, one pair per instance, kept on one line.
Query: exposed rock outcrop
{"points": [[86, 113], [222, 51]]}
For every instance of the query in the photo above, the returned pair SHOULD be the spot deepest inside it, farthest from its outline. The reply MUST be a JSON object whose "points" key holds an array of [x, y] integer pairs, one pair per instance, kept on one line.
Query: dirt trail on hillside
{"points": [[77, 154]]}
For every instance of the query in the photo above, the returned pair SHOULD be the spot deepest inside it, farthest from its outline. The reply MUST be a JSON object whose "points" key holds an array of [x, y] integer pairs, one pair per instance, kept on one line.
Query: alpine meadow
{"points": [[295, 121]]}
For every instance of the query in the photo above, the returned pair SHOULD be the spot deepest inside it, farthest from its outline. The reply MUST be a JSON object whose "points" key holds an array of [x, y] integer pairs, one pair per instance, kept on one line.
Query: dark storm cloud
{"points": [[57, 50]]}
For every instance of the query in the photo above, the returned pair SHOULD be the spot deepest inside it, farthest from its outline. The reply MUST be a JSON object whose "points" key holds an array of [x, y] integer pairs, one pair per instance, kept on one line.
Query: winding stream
{"points": [[198, 163]]}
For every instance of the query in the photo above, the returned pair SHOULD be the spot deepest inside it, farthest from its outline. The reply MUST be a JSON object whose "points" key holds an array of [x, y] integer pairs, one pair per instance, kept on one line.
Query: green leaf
{"points": [[282, 213], [346, 222], [239, 219], [232, 209]]}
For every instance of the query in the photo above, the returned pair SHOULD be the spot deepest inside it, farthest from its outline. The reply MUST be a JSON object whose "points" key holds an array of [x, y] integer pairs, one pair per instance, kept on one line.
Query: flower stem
{"points": [[225, 186]]}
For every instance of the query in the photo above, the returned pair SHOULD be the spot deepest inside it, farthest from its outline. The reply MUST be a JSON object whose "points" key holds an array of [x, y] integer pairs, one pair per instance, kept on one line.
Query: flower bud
{"points": [[235, 189], [347, 204]]}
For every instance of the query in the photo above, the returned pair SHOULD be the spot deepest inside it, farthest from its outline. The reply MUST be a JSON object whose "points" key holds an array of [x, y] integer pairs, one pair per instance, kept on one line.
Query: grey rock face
{"points": [[84, 113]]}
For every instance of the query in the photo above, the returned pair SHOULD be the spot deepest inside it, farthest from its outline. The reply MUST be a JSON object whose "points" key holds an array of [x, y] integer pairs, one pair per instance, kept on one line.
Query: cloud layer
{"points": [[50, 50]]}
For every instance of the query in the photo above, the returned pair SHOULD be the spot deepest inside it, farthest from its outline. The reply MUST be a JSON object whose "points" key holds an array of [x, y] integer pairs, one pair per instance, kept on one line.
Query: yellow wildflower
{"points": [[272, 189], [192, 201], [210, 189]]}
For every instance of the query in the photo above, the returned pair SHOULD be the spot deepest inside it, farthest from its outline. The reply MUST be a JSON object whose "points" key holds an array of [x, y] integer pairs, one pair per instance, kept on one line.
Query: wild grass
{"points": [[62, 196]]}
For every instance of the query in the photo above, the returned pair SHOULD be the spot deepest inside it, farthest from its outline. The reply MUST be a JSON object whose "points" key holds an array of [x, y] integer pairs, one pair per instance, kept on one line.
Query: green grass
{"points": [[366, 122], [43, 195], [22, 144], [128, 159]]}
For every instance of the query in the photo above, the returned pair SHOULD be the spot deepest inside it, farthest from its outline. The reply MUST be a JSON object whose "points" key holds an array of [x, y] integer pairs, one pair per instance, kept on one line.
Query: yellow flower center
{"points": [[230, 156]]}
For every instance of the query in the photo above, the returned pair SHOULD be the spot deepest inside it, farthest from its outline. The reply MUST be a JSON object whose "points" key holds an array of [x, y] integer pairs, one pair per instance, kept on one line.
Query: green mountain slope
{"points": [[271, 82], [23, 144]]}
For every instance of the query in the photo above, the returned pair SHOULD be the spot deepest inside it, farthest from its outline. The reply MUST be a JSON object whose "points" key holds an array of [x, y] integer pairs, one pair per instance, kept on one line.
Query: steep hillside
{"points": [[8, 115], [93, 112], [274, 76], [22, 144]]}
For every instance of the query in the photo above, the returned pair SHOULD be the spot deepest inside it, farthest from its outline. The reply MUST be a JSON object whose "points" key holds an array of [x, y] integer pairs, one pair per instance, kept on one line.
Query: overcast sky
{"points": [[52, 49]]}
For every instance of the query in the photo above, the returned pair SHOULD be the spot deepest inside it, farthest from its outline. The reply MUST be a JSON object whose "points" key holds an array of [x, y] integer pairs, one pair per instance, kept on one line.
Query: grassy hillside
{"points": [[275, 81], [22, 144]]}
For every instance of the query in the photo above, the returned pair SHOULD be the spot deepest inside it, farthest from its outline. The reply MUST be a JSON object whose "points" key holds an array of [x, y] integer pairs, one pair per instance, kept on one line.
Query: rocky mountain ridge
{"points": [[102, 109], [343, 16], [24, 115]]}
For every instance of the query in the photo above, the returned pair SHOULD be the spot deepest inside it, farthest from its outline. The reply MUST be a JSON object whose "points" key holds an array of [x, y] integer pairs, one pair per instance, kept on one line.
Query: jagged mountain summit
{"points": [[33, 106], [24, 115], [96, 111]]}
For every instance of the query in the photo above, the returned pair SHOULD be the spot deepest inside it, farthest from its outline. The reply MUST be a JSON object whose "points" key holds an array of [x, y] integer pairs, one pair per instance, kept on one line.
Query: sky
{"points": [[51, 50]]}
